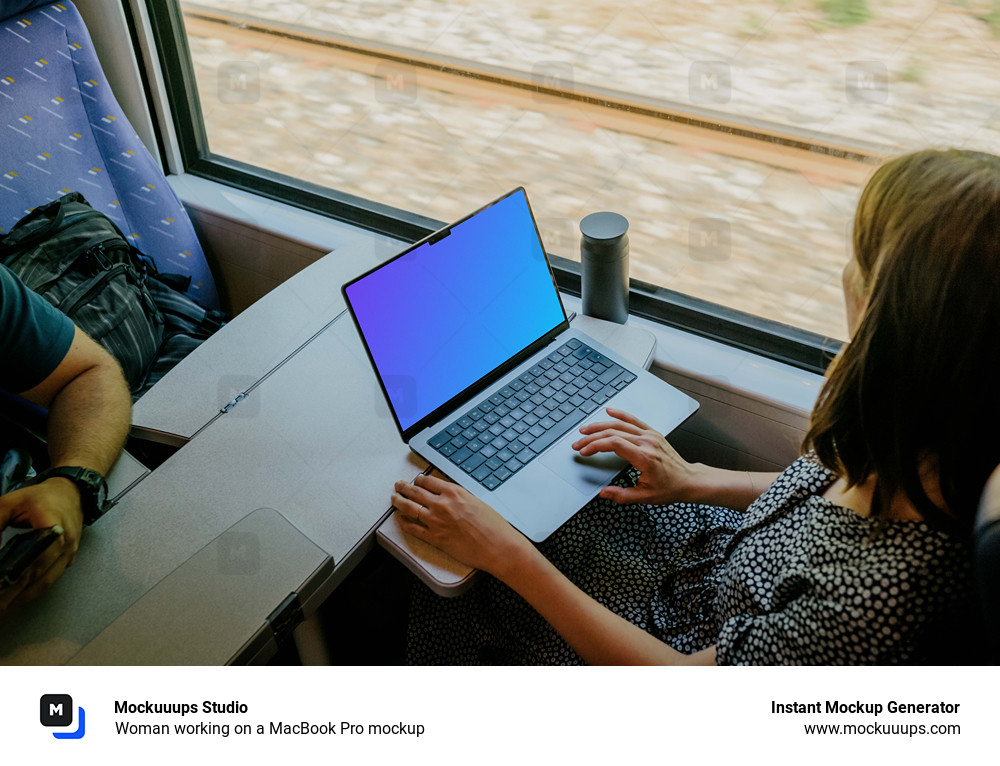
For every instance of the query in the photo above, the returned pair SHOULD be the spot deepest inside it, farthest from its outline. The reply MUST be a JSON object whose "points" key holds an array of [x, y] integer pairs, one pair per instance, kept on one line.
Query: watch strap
{"points": [[91, 484]]}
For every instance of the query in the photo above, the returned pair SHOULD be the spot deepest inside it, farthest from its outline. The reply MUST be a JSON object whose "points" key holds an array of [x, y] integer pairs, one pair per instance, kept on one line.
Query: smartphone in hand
{"points": [[22, 549]]}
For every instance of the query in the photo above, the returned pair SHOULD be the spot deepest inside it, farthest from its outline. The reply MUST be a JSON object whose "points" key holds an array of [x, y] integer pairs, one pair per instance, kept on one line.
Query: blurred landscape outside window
{"points": [[410, 103]]}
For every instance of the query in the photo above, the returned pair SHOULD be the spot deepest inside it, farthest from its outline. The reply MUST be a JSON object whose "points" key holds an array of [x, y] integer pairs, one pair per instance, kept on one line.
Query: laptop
{"points": [[485, 377]]}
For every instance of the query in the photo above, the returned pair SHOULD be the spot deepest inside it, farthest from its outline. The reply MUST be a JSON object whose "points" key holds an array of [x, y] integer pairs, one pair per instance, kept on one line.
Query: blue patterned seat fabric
{"points": [[62, 130]]}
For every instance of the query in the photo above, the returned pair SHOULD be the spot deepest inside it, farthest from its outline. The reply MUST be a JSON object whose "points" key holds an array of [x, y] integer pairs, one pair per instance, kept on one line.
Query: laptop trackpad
{"points": [[586, 474]]}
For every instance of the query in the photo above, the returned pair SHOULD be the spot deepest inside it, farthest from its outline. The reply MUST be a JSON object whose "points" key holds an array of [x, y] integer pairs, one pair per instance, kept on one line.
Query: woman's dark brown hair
{"points": [[917, 388]]}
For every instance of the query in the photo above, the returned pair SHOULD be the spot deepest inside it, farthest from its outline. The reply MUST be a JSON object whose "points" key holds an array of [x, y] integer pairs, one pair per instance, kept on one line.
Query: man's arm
{"points": [[89, 416], [90, 409]]}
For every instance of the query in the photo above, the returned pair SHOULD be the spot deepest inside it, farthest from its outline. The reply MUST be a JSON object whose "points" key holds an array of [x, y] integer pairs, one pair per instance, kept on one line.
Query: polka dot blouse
{"points": [[796, 579], [808, 581]]}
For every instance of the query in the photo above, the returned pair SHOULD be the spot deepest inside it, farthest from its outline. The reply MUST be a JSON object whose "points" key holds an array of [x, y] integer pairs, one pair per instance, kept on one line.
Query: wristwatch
{"points": [[93, 488]]}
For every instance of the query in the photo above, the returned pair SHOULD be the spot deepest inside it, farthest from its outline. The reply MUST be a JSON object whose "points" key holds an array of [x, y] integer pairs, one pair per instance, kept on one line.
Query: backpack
{"points": [[79, 261]]}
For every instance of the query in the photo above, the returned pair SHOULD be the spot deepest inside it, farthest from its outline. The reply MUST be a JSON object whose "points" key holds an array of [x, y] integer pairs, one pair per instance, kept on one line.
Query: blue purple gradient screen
{"points": [[439, 318]]}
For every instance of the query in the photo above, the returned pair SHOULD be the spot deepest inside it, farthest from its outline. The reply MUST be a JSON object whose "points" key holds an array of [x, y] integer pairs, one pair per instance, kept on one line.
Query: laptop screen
{"points": [[442, 315]]}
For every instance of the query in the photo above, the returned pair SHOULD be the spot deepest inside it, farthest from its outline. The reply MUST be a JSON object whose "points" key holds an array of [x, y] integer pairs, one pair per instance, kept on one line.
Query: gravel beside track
{"points": [[733, 231]]}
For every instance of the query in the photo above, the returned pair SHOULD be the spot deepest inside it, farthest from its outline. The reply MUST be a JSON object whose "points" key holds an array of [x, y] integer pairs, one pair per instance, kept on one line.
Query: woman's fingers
{"points": [[407, 507], [627, 417], [416, 493], [424, 497], [624, 495], [412, 527], [622, 447], [610, 425], [445, 515], [580, 445], [626, 426], [433, 484]]}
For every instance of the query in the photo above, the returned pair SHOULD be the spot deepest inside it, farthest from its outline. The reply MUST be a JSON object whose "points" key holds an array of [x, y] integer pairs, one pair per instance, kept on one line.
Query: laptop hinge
{"points": [[233, 403], [286, 617]]}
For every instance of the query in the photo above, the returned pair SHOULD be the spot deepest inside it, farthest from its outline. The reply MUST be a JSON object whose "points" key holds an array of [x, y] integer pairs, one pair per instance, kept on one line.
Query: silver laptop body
{"points": [[401, 309]]}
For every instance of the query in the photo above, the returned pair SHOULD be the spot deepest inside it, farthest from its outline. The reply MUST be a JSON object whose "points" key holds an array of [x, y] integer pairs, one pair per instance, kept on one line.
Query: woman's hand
{"points": [[665, 476], [452, 519]]}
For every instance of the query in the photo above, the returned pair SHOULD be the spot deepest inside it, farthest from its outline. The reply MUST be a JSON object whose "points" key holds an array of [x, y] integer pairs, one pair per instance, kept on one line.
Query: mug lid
{"points": [[603, 226]]}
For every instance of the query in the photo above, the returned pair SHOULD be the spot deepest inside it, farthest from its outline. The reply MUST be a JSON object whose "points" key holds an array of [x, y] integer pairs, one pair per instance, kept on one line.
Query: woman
{"points": [[857, 552]]}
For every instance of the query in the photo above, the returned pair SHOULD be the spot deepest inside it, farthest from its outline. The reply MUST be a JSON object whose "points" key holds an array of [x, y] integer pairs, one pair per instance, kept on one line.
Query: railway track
{"points": [[767, 143]]}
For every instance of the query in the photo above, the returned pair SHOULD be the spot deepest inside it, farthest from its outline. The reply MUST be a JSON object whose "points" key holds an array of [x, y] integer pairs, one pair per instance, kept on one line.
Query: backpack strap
{"points": [[21, 239]]}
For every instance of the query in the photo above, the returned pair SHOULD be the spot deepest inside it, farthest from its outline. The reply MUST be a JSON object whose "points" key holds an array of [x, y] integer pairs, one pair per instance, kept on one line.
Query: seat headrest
{"points": [[989, 504], [986, 563], [9, 8]]}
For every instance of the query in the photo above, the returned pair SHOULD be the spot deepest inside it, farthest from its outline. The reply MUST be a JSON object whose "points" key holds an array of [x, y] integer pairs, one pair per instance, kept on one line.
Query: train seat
{"points": [[63, 130]]}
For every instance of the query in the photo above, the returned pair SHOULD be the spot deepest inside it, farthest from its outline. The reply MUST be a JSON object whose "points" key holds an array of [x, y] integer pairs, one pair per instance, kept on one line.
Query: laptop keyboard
{"points": [[494, 440]]}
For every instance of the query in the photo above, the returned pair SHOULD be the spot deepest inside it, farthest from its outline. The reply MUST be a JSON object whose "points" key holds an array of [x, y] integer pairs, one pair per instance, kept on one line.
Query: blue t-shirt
{"points": [[34, 335]]}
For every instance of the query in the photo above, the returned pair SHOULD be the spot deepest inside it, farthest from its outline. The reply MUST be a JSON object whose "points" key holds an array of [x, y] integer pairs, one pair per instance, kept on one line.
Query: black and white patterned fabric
{"points": [[794, 580], [808, 581]]}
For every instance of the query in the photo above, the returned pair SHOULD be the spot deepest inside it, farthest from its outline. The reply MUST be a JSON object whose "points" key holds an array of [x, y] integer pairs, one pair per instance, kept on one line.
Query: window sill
{"points": [[746, 397]]}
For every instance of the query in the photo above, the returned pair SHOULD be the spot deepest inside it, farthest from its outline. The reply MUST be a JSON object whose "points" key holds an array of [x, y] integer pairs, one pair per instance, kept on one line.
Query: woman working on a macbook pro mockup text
{"points": [[857, 553]]}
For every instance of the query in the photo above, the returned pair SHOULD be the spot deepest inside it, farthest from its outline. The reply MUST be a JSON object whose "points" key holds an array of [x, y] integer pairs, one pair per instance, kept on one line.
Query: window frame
{"points": [[768, 338]]}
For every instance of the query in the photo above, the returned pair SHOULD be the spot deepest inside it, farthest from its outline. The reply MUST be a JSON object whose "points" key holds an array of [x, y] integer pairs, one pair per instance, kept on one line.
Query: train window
{"points": [[735, 136]]}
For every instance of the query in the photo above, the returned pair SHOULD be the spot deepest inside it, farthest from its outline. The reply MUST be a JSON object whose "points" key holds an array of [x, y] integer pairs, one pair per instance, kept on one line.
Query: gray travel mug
{"points": [[604, 261]]}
